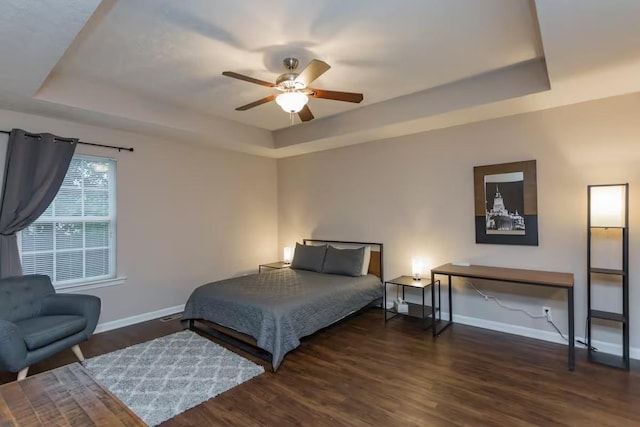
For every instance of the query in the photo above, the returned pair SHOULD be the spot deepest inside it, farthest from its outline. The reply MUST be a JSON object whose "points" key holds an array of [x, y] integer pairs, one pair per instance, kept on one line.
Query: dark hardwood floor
{"points": [[63, 397], [361, 373]]}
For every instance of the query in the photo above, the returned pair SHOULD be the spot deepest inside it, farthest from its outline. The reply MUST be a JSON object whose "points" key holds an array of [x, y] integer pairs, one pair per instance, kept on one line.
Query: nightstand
{"points": [[273, 266], [421, 311]]}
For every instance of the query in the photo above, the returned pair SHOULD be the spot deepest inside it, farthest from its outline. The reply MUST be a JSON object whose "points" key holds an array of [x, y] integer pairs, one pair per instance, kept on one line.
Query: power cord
{"points": [[559, 332], [586, 326], [533, 316], [508, 307]]}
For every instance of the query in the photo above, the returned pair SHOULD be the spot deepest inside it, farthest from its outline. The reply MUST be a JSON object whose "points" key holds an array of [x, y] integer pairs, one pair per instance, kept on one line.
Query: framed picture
{"points": [[506, 203]]}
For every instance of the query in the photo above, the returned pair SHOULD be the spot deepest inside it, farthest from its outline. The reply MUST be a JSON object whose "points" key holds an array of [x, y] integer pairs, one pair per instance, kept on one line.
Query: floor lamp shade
{"points": [[607, 205]]}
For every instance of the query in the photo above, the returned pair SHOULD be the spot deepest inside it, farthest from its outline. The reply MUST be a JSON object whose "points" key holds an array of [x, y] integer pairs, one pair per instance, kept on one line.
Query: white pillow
{"points": [[367, 254], [366, 260]]}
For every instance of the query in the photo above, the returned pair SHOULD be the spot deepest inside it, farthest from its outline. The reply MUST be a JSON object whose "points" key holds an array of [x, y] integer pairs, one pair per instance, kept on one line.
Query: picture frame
{"points": [[506, 203]]}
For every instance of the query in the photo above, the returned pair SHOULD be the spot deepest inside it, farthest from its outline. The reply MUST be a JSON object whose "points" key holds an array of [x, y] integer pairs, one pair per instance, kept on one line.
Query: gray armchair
{"points": [[36, 323]]}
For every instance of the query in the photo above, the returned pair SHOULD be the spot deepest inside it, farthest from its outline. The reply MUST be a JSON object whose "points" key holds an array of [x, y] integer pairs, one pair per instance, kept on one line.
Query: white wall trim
{"points": [[95, 284], [550, 336], [138, 318]]}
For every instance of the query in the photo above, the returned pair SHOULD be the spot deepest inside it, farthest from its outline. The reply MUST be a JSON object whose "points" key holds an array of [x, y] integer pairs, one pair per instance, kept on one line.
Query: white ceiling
{"points": [[154, 66], [25, 41], [175, 51]]}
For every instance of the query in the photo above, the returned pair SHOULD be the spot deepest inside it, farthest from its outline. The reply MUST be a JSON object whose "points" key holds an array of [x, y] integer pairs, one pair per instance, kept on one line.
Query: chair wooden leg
{"points": [[76, 350], [23, 374]]}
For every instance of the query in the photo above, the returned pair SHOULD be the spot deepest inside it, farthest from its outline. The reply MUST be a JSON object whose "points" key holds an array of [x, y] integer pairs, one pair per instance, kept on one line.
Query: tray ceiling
{"points": [[154, 66]]}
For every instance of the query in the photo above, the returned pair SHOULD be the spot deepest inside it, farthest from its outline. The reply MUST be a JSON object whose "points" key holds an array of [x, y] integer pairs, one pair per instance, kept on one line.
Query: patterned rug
{"points": [[161, 378]]}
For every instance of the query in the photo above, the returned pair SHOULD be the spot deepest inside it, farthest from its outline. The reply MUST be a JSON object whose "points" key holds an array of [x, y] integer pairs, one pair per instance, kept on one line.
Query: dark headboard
{"points": [[376, 264]]}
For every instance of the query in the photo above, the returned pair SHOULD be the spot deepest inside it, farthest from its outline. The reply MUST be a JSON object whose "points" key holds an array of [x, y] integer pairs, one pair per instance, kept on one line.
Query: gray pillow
{"points": [[347, 262], [308, 257]]}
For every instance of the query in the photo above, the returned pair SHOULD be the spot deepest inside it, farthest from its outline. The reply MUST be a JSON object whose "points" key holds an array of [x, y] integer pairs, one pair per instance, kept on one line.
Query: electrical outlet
{"points": [[547, 312]]}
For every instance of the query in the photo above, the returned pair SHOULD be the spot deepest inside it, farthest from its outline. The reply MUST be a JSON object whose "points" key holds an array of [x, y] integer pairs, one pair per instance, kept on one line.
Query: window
{"points": [[73, 241]]}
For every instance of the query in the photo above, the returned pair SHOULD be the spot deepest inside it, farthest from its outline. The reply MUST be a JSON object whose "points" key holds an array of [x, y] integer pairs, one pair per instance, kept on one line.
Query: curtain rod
{"points": [[113, 147]]}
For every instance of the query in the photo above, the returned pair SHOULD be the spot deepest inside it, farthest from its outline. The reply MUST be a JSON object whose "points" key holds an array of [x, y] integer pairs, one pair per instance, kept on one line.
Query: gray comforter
{"points": [[279, 307]]}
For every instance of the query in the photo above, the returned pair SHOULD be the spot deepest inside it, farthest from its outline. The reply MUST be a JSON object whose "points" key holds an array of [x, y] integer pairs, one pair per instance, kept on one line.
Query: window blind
{"points": [[73, 241]]}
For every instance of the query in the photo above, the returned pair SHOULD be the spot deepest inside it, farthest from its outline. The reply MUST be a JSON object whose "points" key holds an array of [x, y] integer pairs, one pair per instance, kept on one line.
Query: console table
{"points": [[512, 275]]}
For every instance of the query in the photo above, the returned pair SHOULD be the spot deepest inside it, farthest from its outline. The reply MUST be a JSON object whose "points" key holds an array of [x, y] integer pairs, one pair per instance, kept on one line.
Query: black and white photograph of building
{"points": [[504, 203]]}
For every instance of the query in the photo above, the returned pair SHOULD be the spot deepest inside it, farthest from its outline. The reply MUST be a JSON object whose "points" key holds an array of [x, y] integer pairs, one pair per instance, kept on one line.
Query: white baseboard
{"points": [[138, 318], [550, 336]]}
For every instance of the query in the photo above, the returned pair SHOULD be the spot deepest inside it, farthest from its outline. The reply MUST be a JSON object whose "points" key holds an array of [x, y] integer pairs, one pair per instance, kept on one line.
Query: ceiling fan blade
{"points": [[336, 96], [312, 71], [256, 103], [305, 114], [247, 78]]}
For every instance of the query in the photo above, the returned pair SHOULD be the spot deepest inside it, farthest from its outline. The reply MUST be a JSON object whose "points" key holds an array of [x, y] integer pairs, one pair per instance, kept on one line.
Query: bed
{"points": [[270, 311]]}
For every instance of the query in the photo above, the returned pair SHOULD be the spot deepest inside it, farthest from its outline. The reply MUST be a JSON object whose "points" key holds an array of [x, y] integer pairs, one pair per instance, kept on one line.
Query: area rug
{"points": [[161, 378]]}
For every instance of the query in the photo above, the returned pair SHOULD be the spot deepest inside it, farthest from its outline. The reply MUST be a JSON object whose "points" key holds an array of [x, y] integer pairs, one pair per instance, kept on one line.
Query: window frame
{"points": [[96, 281]]}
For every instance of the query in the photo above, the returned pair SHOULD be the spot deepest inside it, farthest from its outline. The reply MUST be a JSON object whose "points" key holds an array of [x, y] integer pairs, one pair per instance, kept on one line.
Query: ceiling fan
{"points": [[294, 88]]}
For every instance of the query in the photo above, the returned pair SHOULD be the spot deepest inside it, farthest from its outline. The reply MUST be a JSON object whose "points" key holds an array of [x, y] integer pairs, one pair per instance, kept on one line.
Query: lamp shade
{"points": [[607, 206], [288, 255], [417, 267], [292, 102]]}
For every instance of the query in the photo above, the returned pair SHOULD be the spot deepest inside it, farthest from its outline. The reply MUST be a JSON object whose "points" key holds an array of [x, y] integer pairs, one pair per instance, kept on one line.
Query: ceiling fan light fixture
{"points": [[292, 102], [294, 89]]}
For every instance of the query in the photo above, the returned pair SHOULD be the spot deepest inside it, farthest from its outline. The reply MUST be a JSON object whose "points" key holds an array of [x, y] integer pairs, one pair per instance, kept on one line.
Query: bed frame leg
{"points": [[191, 322]]}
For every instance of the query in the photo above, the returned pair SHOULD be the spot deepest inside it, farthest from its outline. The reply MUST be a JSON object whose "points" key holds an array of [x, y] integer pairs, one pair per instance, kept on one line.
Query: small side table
{"points": [[273, 266], [421, 311]]}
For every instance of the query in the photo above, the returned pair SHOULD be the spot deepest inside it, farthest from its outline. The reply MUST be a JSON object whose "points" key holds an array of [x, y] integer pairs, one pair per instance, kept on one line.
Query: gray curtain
{"points": [[34, 171]]}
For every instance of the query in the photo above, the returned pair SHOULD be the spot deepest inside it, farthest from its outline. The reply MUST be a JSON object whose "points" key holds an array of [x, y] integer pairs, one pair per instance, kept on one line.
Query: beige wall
{"points": [[415, 194], [187, 215]]}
